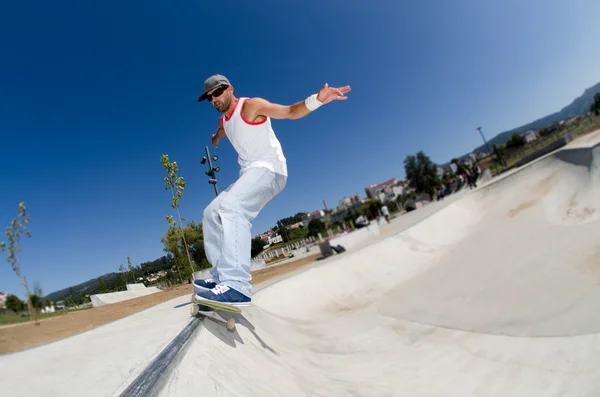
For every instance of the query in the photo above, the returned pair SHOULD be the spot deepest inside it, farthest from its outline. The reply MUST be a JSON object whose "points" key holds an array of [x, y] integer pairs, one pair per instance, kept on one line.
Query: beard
{"points": [[222, 104]]}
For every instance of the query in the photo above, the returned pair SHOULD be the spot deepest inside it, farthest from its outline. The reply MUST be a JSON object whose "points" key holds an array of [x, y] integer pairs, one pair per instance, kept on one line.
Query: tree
{"points": [[17, 228], [298, 233], [256, 247], [101, 286], [282, 231], [515, 141], [291, 219], [174, 241], [176, 184], [194, 236], [123, 274], [315, 226], [36, 302], [131, 270], [404, 197], [37, 289], [595, 108], [370, 208], [421, 173], [15, 304], [499, 152]]}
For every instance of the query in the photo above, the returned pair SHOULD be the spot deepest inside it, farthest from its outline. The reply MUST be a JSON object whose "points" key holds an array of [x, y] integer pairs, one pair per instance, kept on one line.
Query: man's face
{"points": [[220, 98]]}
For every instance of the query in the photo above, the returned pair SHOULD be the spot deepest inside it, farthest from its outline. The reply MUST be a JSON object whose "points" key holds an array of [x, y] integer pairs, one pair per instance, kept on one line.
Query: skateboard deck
{"points": [[197, 304]]}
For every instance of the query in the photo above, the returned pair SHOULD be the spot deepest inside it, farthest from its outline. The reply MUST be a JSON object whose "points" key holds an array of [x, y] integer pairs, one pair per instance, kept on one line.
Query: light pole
{"points": [[490, 150], [484, 141], [211, 169]]}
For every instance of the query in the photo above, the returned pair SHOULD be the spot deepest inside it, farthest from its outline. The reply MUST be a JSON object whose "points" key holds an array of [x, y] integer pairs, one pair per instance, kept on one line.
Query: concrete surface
{"points": [[490, 292], [354, 238], [133, 291]]}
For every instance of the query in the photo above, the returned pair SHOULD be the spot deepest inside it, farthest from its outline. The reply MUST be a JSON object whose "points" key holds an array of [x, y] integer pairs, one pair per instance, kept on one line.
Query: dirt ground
{"points": [[27, 335]]}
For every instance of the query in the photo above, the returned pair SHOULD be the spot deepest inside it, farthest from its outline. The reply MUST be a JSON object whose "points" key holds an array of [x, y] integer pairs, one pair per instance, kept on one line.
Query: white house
{"points": [[3, 298], [275, 239], [530, 136]]}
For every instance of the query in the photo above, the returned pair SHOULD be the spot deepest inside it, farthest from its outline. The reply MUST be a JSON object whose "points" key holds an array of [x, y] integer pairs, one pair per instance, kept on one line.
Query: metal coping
{"points": [[151, 381]]}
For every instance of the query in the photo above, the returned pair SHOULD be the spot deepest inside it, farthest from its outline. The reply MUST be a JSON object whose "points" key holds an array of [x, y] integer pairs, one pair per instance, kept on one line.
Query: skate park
{"points": [[490, 292]]}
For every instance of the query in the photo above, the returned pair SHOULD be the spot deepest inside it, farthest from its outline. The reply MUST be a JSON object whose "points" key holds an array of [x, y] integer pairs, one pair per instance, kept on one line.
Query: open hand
{"points": [[215, 140], [327, 94]]}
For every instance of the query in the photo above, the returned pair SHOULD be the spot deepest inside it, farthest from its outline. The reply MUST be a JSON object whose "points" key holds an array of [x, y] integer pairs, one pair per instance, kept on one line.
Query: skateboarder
{"points": [[226, 221]]}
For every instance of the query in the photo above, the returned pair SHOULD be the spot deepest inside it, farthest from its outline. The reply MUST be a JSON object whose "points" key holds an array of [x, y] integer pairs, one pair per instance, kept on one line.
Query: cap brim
{"points": [[202, 97]]}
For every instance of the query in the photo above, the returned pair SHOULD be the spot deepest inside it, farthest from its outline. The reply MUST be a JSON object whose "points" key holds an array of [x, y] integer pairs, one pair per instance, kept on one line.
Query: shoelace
{"points": [[219, 289]]}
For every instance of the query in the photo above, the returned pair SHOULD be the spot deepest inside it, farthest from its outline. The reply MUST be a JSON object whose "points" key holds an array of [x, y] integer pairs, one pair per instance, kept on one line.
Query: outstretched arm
{"points": [[257, 107], [219, 134]]}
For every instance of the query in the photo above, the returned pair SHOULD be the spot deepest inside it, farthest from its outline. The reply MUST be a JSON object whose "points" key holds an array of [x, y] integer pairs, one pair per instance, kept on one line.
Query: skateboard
{"points": [[197, 305]]}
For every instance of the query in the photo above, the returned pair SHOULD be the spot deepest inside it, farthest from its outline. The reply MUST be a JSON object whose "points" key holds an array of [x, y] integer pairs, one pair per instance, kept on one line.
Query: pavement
{"points": [[490, 292]]}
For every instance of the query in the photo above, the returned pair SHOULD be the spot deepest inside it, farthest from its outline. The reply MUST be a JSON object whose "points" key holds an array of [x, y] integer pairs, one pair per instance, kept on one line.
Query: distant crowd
{"points": [[468, 177]]}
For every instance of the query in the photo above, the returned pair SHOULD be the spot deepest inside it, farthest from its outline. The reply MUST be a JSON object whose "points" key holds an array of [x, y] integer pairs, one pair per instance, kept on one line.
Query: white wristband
{"points": [[312, 103]]}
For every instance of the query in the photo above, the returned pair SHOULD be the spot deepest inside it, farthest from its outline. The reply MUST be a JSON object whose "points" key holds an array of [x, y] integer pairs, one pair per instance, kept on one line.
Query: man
{"points": [[386, 213], [226, 221]]}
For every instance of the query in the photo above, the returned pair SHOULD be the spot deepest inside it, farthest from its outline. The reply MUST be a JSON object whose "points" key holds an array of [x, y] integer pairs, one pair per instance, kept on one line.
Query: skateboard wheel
{"points": [[194, 310], [230, 323]]}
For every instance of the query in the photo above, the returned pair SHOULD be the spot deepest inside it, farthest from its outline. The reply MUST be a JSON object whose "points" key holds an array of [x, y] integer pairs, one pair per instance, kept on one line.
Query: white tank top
{"points": [[255, 142]]}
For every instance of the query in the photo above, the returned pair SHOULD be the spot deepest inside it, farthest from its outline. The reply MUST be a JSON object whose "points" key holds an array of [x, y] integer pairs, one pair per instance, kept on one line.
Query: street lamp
{"points": [[484, 141], [490, 150], [211, 169]]}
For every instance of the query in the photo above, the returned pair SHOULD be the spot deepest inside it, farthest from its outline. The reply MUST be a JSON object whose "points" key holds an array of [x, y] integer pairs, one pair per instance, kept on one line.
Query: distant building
{"points": [[275, 239], [318, 214], [296, 225], [345, 208], [530, 136], [387, 190], [440, 171], [265, 236], [348, 202], [3, 298], [479, 155]]}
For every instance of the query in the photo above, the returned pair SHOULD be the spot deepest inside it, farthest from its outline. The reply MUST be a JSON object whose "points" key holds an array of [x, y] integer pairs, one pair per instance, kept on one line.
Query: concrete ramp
{"points": [[133, 291], [528, 266], [495, 295], [138, 287], [491, 292]]}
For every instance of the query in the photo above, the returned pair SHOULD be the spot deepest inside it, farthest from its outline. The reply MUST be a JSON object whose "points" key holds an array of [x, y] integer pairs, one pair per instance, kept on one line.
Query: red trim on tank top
{"points": [[248, 121], [233, 111], [253, 122]]}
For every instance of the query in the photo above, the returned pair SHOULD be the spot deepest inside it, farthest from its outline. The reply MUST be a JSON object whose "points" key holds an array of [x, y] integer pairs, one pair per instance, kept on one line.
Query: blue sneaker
{"points": [[223, 294], [205, 285]]}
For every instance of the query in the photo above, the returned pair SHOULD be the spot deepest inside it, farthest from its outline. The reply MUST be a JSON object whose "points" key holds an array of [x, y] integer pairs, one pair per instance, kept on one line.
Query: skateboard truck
{"points": [[196, 304]]}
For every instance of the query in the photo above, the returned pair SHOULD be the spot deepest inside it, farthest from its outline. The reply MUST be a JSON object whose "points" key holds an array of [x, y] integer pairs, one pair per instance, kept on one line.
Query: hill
{"points": [[110, 280], [80, 289], [578, 106]]}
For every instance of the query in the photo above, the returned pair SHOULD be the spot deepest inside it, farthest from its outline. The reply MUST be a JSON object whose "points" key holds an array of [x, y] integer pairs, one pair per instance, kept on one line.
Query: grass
{"points": [[9, 319], [512, 156]]}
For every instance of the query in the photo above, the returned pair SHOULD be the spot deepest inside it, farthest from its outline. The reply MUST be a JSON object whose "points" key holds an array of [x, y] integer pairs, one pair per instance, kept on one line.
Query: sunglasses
{"points": [[216, 93]]}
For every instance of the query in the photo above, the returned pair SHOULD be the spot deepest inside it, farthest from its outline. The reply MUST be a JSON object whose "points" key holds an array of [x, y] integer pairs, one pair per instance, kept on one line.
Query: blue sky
{"points": [[92, 93]]}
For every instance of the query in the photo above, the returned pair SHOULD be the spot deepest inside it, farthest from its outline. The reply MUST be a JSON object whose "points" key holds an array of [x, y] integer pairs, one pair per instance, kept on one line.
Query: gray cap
{"points": [[211, 83]]}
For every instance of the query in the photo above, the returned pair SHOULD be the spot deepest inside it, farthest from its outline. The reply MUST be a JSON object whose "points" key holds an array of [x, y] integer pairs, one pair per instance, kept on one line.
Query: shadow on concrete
{"points": [[216, 323]]}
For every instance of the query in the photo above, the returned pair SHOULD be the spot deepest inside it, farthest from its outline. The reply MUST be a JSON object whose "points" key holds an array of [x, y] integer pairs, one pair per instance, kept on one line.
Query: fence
{"points": [[284, 251]]}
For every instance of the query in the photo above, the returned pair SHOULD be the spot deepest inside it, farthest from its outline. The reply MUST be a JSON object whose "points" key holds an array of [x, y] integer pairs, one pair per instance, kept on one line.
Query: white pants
{"points": [[226, 225]]}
